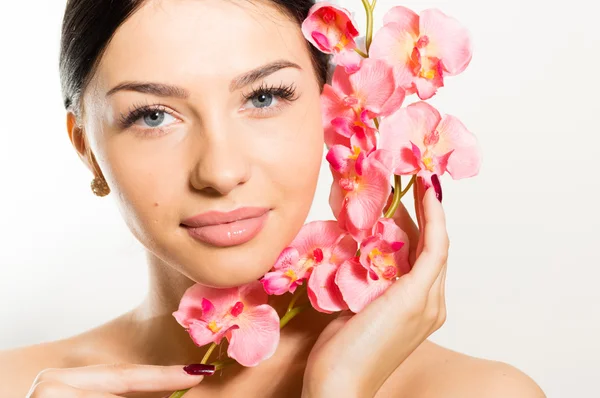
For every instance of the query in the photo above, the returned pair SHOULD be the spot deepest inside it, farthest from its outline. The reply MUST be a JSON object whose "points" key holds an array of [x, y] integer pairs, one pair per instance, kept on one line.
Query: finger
{"points": [[418, 193], [123, 378], [50, 389], [407, 224], [437, 292], [443, 287], [432, 258]]}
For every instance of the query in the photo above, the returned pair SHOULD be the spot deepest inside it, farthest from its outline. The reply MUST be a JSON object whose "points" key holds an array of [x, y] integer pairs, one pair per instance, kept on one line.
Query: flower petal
{"points": [[366, 205], [287, 259], [190, 306], [317, 234], [427, 88], [344, 250], [356, 287], [339, 158], [393, 44], [448, 40], [336, 195], [406, 18], [350, 60], [407, 125], [252, 294], [465, 160], [374, 84], [201, 334], [323, 293], [257, 337], [332, 107]]}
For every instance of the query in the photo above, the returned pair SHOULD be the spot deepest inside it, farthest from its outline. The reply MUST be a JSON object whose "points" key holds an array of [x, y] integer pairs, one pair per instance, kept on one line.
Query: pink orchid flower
{"points": [[361, 186], [314, 255], [240, 314], [419, 141], [423, 50], [353, 100], [383, 259], [332, 30]]}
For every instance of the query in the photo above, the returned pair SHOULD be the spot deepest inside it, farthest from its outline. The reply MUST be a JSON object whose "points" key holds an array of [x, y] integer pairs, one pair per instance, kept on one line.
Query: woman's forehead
{"points": [[211, 38]]}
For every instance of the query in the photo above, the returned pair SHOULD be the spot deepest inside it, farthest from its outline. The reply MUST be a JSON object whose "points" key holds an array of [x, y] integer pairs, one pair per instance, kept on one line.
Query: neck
{"points": [[156, 336]]}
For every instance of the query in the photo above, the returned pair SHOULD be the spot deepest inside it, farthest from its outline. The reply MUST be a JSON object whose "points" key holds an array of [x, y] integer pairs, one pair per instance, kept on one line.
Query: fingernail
{"points": [[197, 369], [437, 186]]}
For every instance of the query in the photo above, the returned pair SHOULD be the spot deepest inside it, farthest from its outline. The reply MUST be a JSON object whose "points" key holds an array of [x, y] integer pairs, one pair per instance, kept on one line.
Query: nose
{"points": [[221, 164]]}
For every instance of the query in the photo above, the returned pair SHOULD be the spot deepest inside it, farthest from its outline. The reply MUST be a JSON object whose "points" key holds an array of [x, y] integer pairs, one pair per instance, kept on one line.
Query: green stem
{"points": [[410, 184], [208, 352], [224, 363], [362, 54], [398, 195], [295, 297], [291, 314], [369, 9], [179, 394]]}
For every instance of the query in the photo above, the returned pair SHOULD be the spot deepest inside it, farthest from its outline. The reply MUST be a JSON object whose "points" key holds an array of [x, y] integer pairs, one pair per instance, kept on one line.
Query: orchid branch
{"points": [[290, 313], [369, 10], [398, 195]]}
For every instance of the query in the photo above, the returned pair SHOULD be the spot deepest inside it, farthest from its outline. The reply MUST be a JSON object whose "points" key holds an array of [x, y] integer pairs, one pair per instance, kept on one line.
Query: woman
{"points": [[197, 113]]}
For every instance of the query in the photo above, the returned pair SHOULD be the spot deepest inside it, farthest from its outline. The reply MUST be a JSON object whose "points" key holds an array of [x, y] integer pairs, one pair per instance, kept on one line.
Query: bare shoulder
{"points": [[434, 371], [20, 366]]}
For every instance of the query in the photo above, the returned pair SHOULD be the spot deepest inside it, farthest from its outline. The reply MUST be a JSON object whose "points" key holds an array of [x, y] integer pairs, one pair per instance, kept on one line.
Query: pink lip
{"points": [[227, 229]]}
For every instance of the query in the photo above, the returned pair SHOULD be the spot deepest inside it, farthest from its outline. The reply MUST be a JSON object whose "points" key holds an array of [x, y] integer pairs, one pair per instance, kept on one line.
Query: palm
{"points": [[324, 342]]}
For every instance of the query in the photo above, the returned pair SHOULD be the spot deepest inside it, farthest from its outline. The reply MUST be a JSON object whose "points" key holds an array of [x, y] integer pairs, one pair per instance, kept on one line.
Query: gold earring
{"points": [[100, 187]]}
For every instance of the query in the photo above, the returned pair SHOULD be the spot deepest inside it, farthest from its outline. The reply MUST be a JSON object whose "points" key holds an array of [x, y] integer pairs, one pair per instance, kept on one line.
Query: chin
{"points": [[231, 266]]}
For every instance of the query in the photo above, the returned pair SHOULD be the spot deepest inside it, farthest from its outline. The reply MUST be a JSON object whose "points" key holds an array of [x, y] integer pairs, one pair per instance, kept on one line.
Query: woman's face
{"points": [[207, 143]]}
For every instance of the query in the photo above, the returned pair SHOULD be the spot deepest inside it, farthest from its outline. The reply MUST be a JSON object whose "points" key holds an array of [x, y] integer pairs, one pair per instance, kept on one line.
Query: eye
{"points": [[155, 118], [147, 117], [267, 100], [263, 100]]}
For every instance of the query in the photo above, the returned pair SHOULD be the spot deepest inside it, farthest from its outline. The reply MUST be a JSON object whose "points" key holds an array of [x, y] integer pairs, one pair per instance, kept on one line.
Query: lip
{"points": [[224, 229]]}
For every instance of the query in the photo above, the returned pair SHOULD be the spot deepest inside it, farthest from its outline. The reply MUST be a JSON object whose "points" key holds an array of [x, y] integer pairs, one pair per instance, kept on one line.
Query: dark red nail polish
{"points": [[197, 369], [437, 186]]}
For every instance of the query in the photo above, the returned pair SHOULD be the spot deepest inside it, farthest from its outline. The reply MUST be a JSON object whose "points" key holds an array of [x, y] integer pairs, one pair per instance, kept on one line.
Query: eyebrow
{"points": [[166, 90]]}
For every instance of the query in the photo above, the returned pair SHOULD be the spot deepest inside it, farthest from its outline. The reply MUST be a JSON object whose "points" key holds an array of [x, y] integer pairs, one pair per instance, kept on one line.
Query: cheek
{"points": [[293, 156], [148, 183]]}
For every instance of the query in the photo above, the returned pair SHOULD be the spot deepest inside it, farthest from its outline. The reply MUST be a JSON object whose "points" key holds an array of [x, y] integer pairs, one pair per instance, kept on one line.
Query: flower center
{"points": [[355, 153], [384, 263], [290, 273], [237, 309], [318, 255], [422, 42], [428, 161], [212, 325]]}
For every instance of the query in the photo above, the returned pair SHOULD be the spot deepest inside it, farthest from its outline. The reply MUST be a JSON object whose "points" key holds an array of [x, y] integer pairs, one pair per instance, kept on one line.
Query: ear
{"points": [[80, 143]]}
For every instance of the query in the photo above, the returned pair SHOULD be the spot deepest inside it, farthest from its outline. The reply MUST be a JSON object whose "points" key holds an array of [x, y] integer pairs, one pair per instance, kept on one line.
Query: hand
{"points": [[356, 353], [110, 381]]}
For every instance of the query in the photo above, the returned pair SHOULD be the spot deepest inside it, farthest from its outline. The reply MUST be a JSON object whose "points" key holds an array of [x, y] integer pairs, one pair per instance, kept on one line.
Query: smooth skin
{"points": [[216, 151]]}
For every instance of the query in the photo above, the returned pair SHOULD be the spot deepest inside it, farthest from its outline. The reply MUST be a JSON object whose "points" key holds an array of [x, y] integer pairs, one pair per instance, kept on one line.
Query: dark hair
{"points": [[88, 26]]}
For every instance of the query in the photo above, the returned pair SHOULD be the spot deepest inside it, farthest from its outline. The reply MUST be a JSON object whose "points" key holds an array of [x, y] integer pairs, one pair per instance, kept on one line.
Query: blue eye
{"points": [[148, 116], [262, 98], [154, 118]]}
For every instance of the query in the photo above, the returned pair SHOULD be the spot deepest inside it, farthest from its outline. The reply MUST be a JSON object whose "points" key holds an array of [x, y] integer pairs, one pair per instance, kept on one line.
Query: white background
{"points": [[525, 265]]}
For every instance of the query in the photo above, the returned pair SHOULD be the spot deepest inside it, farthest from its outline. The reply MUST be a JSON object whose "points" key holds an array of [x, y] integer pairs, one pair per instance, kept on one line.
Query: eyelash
{"points": [[284, 92]]}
